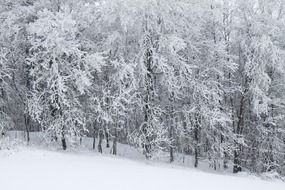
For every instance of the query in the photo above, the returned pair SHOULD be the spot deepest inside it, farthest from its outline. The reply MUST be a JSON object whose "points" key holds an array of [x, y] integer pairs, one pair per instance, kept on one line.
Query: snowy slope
{"points": [[33, 169]]}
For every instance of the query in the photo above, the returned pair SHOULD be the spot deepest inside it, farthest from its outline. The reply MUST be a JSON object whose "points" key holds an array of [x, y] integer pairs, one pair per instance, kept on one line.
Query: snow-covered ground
{"points": [[123, 150], [37, 169]]}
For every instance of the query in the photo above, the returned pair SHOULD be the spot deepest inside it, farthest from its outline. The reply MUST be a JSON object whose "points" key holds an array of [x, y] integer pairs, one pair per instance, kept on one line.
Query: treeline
{"points": [[200, 78]]}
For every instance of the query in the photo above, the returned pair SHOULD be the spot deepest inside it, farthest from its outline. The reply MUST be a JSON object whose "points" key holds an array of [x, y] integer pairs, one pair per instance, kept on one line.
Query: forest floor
{"points": [[31, 168]]}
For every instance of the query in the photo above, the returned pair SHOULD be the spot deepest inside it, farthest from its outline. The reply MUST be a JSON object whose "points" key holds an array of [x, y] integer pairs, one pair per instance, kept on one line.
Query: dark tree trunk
{"points": [[54, 137], [238, 132], [115, 141], [196, 157], [100, 141], [94, 135], [171, 149], [27, 125], [149, 93], [225, 161], [80, 141], [237, 167], [171, 154], [115, 144], [94, 142], [147, 145], [196, 139], [63, 142], [107, 137]]}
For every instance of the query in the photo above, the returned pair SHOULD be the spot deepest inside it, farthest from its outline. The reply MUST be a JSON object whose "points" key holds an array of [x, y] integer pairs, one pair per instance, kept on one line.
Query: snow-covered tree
{"points": [[200, 78], [61, 72]]}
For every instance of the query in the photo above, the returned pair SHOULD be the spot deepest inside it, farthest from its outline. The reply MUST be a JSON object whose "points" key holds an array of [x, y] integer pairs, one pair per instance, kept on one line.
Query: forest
{"points": [[204, 78]]}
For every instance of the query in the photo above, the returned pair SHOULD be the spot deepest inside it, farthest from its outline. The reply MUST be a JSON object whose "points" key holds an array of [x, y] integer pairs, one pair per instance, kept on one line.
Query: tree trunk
{"points": [[196, 157], [146, 145], [80, 141], [238, 131], [54, 137], [149, 90], [63, 141], [196, 139], [27, 125], [171, 149], [94, 141], [115, 143], [107, 136], [100, 141], [115, 146], [237, 167], [94, 135], [171, 154]]}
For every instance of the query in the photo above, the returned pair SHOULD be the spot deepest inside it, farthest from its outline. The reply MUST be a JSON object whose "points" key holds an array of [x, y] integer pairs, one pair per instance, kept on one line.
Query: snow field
{"points": [[35, 169]]}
